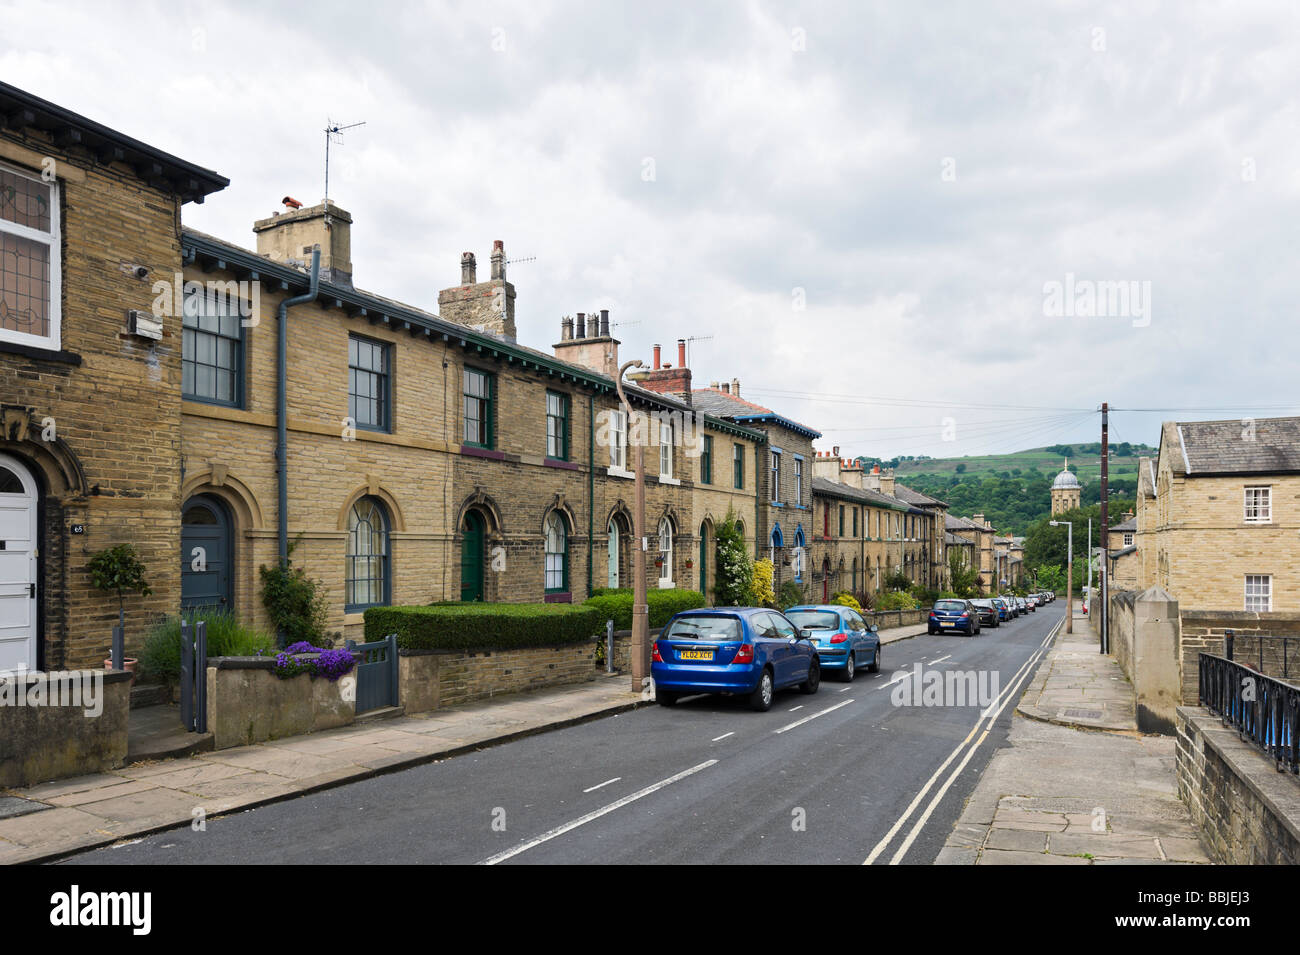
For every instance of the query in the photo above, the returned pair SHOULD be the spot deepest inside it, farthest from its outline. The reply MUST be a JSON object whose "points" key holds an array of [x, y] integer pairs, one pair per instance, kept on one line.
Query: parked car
{"points": [[1032, 601], [1012, 605], [1004, 608], [739, 651], [844, 640], [959, 615], [988, 612]]}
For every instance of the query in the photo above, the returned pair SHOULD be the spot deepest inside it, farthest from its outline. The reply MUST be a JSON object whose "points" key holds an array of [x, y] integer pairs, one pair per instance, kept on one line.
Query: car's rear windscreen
{"points": [[950, 605], [814, 619], [703, 627]]}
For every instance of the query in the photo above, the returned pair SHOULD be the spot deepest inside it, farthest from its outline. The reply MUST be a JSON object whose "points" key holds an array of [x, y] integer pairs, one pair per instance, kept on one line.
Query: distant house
{"points": [[1218, 514]]}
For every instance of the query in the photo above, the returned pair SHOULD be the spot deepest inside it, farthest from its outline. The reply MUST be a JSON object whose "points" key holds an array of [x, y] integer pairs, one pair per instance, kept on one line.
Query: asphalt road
{"points": [[844, 776]]}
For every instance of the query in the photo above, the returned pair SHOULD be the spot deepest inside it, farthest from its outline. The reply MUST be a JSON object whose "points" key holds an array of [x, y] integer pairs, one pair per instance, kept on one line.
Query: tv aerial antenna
{"points": [[334, 133], [695, 338]]}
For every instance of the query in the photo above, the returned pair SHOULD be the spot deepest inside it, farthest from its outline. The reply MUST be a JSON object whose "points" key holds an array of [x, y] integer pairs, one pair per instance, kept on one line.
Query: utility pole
{"points": [[1069, 573], [1105, 524]]}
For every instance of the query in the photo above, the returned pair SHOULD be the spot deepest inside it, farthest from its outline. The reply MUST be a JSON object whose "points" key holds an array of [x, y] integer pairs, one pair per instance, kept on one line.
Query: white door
{"points": [[18, 498], [613, 554]]}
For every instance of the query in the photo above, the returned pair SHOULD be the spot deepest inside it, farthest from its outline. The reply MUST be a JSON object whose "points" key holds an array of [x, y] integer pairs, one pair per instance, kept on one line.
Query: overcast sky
{"points": [[864, 205]]}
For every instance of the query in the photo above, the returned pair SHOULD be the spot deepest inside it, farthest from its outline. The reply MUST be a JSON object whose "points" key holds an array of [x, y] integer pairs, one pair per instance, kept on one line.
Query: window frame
{"points": [[240, 350], [1266, 593], [1261, 491], [556, 518], [618, 440], [564, 417], [798, 480], [706, 459], [774, 476], [488, 405], [385, 349], [738, 467], [665, 552], [386, 562], [666, 441], [53, 241]]}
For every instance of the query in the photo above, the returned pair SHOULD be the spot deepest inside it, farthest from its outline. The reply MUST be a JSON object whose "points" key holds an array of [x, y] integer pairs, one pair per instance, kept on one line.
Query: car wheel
{"points": [[814, 680], [761, 698], [850, 668], [666, 697], [875, 663]]}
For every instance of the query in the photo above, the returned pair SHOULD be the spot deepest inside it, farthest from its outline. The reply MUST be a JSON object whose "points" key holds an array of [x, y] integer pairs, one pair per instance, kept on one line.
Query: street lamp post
{"points": [[640, 606], [1069, 573]]}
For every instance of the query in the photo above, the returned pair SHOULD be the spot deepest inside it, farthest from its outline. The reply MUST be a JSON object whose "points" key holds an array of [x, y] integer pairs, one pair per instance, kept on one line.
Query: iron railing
{"points": [[1263, 710], [1262, 640]]}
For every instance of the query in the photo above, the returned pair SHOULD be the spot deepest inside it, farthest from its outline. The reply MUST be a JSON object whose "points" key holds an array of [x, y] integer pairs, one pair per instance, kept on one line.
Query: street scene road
{"points": [[842, 776]]}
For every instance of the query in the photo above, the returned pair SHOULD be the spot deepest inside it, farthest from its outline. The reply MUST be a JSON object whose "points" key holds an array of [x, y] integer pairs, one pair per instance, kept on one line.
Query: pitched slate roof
{"points": [[829, 488], [722, 405], [905, 493], [1129, 525], [1235, 446], [954, 523]]}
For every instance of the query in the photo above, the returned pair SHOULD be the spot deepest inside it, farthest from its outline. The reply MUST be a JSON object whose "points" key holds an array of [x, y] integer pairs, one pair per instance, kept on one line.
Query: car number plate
{"points": [[695, 654], [944, 624]]}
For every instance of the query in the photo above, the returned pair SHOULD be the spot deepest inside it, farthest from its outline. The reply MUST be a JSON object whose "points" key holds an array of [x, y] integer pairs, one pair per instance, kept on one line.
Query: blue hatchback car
{"points": [[844, 640], [958, 615], [741, 651]]}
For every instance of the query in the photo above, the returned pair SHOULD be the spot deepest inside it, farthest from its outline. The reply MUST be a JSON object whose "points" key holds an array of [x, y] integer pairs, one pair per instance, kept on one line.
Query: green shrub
{"points": [[160, 658], [792, 595], [295, 602], [734, 580], [896, 600], [617, 605], [484, 626]]}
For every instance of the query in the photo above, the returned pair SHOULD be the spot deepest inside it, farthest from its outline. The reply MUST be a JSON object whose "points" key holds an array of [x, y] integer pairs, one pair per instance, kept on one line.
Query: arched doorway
{"points": [[705, 544], [19, 503], [472, 557], [205, 554]]}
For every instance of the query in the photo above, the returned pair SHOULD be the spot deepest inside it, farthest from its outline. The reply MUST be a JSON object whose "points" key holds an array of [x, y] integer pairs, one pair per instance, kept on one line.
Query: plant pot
{"points": [[128, 664]]}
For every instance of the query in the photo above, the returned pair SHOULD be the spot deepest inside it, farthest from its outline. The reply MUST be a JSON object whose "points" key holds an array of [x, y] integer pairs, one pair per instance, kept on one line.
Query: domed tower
{"points": [[1066, 491]]}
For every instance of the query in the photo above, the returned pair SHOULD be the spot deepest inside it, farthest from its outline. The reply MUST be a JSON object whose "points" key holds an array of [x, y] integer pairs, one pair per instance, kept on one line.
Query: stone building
{"points": [[429, 458], [859, 540], [782, 529], [90, 454], [930, 560], [1122, 543], [1066, 491], [1217, 522], [977, 535]]}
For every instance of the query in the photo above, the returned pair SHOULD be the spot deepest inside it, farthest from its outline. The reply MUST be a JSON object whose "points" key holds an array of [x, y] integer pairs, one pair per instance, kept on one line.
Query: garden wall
{"points": [[430, 679], [61, 724], [248, 703]]}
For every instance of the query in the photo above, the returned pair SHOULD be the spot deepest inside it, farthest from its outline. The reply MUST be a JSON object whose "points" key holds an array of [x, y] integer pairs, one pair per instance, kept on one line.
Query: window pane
{"points": [[24, 201], [24, 284]]}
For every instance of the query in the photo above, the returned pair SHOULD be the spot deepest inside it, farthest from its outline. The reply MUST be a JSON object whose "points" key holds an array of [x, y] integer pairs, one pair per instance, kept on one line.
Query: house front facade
{"points": [[90, 454]]}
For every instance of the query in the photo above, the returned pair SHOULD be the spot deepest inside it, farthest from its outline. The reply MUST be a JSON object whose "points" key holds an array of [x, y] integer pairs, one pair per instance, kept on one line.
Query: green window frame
{"points": [[370, 383], [556, 545], [706, 460], [738, 467], [855, 534], [479, 396], [557, 425], [841, 534]]}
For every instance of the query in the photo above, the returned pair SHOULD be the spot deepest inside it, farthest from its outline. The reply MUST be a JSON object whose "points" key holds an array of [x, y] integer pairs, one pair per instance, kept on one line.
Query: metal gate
{"points": [[376, 673], [194, 676]]}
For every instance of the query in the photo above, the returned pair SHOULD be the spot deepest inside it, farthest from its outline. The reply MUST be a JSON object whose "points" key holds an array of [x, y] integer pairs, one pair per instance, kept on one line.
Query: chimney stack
{"points": [[590, 344], [498, 261], [289, 237], [487, 306]]}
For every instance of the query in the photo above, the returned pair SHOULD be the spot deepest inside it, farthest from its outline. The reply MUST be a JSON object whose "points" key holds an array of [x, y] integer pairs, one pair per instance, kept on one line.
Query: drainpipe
{"points": [[591, 490], [282, 403]]}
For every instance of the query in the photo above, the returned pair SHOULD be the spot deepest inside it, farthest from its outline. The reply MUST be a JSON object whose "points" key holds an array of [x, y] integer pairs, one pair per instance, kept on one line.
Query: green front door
{"points": [[704, 557], [471, 559]]}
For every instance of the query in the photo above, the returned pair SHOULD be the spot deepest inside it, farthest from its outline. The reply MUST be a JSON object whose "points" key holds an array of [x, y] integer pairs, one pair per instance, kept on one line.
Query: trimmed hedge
{"points": [[483, 626], [617, 604]]}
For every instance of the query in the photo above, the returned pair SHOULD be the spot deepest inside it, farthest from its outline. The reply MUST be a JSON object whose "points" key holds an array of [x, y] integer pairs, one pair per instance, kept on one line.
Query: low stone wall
{"points": [[61, 724], [887, 619], [248, 703], [429, 679], [1120, 628], [1203, 632], [1248, 813]]}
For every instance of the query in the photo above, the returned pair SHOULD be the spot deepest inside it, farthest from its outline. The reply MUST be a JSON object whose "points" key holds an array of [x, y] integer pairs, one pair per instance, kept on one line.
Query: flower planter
{"points": [[128, 665]]}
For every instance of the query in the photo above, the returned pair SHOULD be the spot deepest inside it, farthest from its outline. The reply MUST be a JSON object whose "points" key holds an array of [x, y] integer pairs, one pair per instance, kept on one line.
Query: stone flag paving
{"points": [[1076, 783]]}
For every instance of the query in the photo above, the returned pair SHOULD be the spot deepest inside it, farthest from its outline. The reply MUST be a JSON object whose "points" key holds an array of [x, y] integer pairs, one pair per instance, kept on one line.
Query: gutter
{"points": [[282, 404]]}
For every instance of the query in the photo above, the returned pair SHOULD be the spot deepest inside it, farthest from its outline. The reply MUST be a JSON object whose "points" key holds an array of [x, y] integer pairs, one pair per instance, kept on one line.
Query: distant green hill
{"points": [[1014, 490]]}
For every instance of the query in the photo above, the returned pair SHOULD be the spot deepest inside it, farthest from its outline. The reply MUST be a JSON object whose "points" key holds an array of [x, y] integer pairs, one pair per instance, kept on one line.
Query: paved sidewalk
{"points": [[89, 811], [1072, 789]]}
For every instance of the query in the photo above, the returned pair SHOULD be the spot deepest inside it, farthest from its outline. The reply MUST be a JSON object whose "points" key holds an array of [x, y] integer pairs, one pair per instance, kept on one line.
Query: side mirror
{"points": [[874, 628], [805, 634]]}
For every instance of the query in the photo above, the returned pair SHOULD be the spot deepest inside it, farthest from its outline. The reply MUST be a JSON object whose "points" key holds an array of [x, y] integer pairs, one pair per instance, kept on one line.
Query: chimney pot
{"points": [[656, 358], [726, 388], [604, 322], [713, 385], [468, 269], [498, 260], [582, 325], [735, 387], [681, 353]]}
